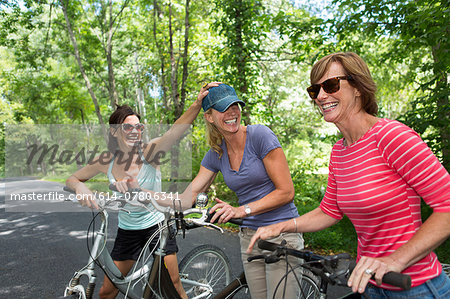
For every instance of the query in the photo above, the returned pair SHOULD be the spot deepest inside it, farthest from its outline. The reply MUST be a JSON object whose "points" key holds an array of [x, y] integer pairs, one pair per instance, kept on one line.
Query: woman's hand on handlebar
{"points": [[367, 267], [266, 232], [86, 197], [224, 212]]}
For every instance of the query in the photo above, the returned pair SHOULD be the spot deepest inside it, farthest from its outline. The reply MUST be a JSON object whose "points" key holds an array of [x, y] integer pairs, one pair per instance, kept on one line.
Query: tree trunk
{"points": [[173, 70], [241, 61], [80, 65], [139, 93], [113, 97], [157, 12], [185, 58]]}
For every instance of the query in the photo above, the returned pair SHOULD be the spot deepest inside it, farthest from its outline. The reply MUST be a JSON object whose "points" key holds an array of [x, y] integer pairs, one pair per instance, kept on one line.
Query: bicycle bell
{"points": [[202, 200]]}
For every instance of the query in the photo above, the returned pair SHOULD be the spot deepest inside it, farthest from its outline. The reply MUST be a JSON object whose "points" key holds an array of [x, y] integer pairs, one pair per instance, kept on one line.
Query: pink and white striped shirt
{"points": [[378, 182]]}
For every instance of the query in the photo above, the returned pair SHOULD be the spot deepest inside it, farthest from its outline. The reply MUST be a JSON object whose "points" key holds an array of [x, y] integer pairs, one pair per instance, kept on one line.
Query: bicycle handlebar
{"points": [[237, 221], [104, 204], [393, 278], [196, 222]]}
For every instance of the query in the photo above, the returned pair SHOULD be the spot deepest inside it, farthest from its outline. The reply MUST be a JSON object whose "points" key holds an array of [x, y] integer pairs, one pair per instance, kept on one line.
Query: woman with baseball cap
{"points": [[254, 166]]}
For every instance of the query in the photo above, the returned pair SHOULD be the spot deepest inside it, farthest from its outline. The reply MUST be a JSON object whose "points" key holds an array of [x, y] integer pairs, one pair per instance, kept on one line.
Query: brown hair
{"points": [[117, 118], [355, 67]]}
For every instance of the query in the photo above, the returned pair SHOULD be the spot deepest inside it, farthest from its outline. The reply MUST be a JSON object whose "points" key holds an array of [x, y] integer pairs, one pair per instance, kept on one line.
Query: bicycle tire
{"points": [[308, 289], [206, 264]]}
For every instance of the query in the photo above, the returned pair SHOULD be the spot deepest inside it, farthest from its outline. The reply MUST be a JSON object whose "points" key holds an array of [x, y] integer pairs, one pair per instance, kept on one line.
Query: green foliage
{"points": [[341, 237], [263, 48], [418, 35], [443, 251]]}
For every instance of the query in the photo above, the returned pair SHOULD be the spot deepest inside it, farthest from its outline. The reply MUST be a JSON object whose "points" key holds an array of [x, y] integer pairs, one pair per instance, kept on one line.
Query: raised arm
{"points": [[183, 123]]}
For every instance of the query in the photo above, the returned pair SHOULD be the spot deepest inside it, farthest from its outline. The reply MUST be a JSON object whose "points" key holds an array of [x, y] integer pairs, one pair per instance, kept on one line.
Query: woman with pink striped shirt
{"points": [[378, 174]]}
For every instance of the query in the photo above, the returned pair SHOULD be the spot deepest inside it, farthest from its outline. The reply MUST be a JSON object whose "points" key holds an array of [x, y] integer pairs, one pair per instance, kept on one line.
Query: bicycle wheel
{"points": [[206, 264], [308, 288]]}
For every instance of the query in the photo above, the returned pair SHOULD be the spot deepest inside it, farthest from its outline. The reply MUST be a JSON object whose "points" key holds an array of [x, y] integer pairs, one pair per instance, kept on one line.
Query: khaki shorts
{"points": [[263, 278]]}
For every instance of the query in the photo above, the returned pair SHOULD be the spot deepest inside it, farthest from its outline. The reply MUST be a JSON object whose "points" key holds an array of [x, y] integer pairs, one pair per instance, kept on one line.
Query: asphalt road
{"points": [[39, 251]]}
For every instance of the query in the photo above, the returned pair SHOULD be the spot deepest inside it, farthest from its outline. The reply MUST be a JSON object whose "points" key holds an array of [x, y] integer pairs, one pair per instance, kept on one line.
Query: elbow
{"points": [[289, 194]]}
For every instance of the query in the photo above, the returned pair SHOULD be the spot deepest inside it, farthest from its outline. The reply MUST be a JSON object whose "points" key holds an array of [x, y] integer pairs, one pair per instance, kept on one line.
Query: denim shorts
{"points": [[436, 288]]}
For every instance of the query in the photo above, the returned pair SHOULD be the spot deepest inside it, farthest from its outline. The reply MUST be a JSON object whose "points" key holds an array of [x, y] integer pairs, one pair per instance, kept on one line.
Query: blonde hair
{"points": [[355, 67], [213, 135]]}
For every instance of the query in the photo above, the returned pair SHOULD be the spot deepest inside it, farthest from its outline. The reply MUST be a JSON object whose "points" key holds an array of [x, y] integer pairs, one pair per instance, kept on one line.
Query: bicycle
{"points": [[319, 271], [151, 279]]}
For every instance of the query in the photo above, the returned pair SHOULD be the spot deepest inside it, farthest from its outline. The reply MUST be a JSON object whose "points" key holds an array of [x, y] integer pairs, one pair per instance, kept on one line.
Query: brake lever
{"points": [[202, 221], [117, 205]]}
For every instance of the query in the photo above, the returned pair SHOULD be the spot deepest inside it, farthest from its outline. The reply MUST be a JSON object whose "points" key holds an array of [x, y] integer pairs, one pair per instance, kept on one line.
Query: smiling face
{"points": [[129, 137], [339, 106], [227, 121]]}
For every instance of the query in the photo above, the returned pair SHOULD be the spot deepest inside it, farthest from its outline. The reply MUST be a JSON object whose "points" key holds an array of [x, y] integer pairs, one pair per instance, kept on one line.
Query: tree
{"points": [[240, 26], [419, 31], [80, 64]]}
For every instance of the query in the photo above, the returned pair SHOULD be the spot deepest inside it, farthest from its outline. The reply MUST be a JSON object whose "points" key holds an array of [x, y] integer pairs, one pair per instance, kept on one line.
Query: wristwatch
{"points": [[247, 210]]}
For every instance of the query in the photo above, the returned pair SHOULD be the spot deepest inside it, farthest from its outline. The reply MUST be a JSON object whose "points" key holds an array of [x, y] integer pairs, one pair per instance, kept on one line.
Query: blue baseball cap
{"points": [[220, 98]]}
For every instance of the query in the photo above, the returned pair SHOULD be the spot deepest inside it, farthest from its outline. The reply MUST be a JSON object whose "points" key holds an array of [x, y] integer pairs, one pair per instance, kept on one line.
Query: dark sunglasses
{"points": [[127, 128], [329, 86]]}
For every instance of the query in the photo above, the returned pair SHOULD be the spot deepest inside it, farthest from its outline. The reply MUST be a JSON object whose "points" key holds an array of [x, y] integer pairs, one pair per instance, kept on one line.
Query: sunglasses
{"points": [[127, 128], [329, 86]]}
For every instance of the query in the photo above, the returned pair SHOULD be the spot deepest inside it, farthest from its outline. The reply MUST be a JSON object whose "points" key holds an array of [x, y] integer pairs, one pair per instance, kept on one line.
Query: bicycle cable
{"points": [[285, 277], [154, 235], [92, 224]]}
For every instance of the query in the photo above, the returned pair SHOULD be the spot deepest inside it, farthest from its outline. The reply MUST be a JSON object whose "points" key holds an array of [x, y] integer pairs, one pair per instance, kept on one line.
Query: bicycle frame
{"points": [[230, 290], [126, 285], [153, 275]]}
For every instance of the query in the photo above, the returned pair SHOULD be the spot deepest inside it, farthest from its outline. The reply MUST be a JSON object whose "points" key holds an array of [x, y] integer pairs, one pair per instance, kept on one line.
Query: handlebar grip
{"points": [[266, 245], [393, 278], [256, 257], [398, 279], [237, 221]]}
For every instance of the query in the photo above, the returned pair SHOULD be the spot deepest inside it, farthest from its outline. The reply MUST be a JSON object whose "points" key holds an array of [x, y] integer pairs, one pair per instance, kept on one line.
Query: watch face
{"points": [[248, 210]]}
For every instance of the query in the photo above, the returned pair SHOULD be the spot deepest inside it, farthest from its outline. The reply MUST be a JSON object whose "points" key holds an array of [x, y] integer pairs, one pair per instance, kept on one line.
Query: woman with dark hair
{"points": [[133, 164], [378, 174]]}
